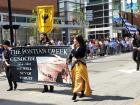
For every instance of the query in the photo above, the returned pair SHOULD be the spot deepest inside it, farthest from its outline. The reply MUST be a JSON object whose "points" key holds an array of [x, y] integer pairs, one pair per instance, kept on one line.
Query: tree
{"points": [[79, 17]]}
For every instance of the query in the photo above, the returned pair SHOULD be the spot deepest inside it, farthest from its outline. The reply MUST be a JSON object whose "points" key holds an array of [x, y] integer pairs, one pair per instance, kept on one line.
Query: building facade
{"points": [[106, 21], [67, 21], [21, 16], [72, 14], [100, 26]]}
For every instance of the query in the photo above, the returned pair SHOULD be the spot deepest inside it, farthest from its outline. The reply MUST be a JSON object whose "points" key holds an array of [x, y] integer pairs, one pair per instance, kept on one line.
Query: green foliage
{"points": [[78, 15], [34, 12], [33, 28]]}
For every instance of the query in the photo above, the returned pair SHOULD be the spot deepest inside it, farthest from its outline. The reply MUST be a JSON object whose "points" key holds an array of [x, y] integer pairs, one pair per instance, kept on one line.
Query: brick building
{"points": [[66, 22], [21, 15], [25, 6]]}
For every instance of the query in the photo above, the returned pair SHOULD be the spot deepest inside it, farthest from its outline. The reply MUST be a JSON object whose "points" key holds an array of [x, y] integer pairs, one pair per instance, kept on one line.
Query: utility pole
{"points": [[10, 22], [132, 22], [120, 8]]}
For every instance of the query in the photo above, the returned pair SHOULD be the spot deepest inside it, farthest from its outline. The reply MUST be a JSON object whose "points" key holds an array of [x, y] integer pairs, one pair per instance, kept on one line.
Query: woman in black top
{"points": [[79, 69]]}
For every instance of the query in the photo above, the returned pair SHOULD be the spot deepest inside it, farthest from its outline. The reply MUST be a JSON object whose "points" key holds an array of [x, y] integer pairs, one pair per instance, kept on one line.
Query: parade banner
{"points": [[40, 63], [45, 18]]}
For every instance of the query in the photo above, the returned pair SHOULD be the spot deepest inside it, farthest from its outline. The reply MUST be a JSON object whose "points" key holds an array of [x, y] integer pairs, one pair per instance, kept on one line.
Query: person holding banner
{"points": [[79, 72], [44, 40], [9, 74]]}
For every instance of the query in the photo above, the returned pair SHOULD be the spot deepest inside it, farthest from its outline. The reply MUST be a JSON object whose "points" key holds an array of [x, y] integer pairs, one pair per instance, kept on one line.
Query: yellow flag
{"points": [[45, 18]]}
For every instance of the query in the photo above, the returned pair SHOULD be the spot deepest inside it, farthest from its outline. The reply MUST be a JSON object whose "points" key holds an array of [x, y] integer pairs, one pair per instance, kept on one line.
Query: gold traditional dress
{"points": [[79, 71]]}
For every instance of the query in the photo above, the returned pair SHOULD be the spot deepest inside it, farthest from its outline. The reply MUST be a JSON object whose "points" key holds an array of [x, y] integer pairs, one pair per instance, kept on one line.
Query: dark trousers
{"points": [[46, 88], [136, 57], [10, 78]]}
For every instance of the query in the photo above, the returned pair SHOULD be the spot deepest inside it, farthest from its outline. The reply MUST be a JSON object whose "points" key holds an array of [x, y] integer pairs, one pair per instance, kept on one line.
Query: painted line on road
{"points": [[129, 71]]}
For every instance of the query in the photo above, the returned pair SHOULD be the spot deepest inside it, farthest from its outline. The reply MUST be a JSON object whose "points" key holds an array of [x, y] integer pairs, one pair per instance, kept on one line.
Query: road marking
{"points": [[129, 71]]}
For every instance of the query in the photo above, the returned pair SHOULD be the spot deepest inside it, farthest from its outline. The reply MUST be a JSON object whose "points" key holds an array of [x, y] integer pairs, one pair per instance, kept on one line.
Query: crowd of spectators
{"points": [[108, 46], [96, 47]]}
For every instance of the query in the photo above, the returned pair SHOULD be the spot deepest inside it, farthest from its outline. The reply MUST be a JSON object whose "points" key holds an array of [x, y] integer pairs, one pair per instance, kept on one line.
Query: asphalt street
{"points": [[113, 79]]}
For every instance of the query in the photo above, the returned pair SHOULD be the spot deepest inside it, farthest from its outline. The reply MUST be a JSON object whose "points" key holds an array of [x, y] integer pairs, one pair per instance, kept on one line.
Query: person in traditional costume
{"points": [[79, 72]]}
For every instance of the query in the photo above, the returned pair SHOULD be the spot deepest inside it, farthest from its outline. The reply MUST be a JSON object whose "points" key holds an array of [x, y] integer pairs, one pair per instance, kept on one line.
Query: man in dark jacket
{"points": [[136, 48], [8, 70]]}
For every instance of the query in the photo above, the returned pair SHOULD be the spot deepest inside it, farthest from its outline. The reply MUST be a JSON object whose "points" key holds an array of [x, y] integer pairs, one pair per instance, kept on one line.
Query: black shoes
{"points": [[51, 88], [46, 89], [15, 87], [82, 94], [74, 96], [137, 66], [10, 89]]}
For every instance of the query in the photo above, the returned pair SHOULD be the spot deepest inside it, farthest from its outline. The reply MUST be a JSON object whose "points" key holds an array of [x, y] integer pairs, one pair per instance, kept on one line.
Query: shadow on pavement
{"points": [[12, 102], [63, 91], [102, 98], [31, 89]]}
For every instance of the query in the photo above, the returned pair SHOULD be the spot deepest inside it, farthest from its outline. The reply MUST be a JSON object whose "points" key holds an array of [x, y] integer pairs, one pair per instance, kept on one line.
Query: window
{"points": [[61, 9], [106, 1], [13, 19], [95, 1], [5, 18], [98, 14], [61, 5], [20, 19], [71, 6], [116, 5], [98, 21], [106, 6], [106, 19], [78, 1], [97, 7], [106, 13]]}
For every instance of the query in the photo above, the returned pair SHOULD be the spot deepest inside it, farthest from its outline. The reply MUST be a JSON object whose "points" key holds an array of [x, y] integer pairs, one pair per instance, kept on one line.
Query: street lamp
{"points": [[10, 22]]}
